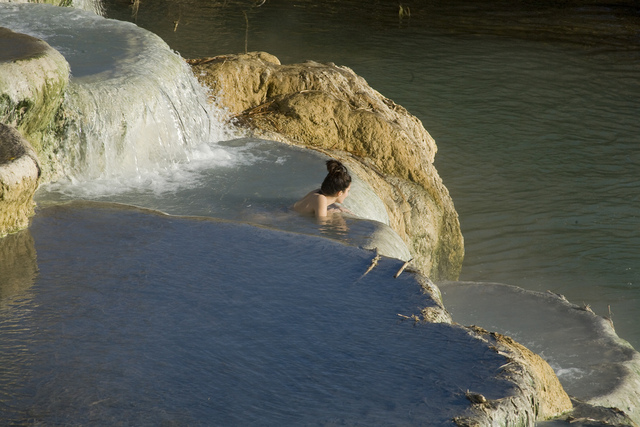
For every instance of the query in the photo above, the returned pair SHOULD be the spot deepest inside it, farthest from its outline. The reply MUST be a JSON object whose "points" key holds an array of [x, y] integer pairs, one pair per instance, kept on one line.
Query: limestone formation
{"points": [[540, 396], [333, 110], [600, 371], [33, 80], [19, 174]]}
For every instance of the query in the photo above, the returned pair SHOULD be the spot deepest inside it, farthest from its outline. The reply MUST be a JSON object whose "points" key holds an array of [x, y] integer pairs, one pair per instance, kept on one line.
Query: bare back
{"points": [[313, 203]]}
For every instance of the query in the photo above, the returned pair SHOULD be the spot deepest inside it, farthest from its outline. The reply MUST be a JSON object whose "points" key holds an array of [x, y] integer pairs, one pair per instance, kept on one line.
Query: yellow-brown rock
{"points": [[539, 396], [19, 174], [33, 80], [331, 109]]}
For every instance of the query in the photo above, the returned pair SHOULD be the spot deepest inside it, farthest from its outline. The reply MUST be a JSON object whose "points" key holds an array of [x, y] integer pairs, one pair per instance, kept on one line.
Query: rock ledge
{"points": [[331, 109]]}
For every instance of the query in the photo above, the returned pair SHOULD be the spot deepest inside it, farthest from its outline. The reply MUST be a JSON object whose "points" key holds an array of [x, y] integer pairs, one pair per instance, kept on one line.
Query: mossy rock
{"points": [[33, 80]]}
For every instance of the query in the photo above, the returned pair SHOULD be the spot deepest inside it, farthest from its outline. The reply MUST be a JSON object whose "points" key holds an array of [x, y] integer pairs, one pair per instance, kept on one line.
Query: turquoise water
{"points": [[537, 133]]}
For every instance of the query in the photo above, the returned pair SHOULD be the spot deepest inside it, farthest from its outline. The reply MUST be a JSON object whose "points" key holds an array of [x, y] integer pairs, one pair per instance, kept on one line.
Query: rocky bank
{"points": [[33, 79], [331, 109], [321, 106]]}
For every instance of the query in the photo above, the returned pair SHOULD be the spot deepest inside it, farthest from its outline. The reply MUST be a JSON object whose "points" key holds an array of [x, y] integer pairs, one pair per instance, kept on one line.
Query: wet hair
{"points": [[338, 178]]}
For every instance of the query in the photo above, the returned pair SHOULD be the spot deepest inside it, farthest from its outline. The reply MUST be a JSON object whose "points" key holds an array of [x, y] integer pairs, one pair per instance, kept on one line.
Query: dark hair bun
{"points": [[338, 178], [334, 166]]}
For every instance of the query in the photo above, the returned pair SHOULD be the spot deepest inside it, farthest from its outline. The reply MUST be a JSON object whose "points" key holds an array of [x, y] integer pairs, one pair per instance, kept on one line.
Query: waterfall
{"points": [[133, 106], [147, 120]]}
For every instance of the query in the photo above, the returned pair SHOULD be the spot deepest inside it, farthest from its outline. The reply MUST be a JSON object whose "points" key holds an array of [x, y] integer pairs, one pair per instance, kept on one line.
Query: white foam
{"points": [[137, 117], [569, 373], [171, 178]]}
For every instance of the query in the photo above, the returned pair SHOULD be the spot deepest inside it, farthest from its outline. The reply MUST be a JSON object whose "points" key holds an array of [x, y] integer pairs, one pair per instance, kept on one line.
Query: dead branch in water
{"points": [[405, 265], [374, 262]]}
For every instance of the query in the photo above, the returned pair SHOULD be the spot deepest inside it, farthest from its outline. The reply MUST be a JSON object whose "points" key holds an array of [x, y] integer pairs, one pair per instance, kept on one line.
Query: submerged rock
{"points": [[333, 110], [18, 264]]}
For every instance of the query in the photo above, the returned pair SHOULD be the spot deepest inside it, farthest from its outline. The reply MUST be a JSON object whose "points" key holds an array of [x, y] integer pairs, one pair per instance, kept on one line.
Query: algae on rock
{"points": [[19, 174], [33, 81]]}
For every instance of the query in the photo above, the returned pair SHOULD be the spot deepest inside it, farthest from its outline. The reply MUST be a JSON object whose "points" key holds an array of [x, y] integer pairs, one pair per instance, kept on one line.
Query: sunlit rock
{"points": [[33, 77], [33, 80], [598, 369], [540, 395], [331, 109], [19, 174]]}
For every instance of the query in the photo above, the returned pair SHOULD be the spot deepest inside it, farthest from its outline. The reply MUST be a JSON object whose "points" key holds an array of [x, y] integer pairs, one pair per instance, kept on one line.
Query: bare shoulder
{"points": [[312, 203], [307, 203]]}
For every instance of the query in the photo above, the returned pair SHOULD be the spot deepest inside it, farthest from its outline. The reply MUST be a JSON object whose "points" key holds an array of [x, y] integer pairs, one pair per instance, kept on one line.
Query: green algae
{"points": [[33, 81]]}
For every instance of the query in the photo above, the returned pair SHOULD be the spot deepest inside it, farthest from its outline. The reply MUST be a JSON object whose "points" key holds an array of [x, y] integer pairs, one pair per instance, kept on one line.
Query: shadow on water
{"points": [[142, 318], [181, 23]]}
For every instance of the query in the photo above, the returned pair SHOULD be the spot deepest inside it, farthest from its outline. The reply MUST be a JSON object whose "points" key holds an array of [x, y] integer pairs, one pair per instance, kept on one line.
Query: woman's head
{"points": [[337, 180]]}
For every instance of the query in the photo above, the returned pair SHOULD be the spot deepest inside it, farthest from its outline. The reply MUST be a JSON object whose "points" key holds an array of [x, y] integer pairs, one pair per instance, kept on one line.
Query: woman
{"points": [[335, 188]]}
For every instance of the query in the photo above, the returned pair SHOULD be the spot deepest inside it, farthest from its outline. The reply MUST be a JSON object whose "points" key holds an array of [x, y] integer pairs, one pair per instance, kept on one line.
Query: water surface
{"points": [[537, 130], [124, 316], [143, 319]]}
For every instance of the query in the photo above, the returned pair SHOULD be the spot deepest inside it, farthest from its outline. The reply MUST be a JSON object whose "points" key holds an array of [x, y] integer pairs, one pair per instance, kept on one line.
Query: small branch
{"points": [[374, 262], [405, 265], [412, 317]]}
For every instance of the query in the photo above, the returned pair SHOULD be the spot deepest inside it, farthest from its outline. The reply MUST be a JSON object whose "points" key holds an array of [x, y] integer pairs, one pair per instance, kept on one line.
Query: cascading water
{"points": [[135, 112], [133, 107], [140, 127]]}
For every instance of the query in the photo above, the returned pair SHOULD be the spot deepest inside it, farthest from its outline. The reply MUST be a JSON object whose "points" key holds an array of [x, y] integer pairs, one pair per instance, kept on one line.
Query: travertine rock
{"points": [[33, 79], [331, 109], [19, 174], [539, 395]]}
